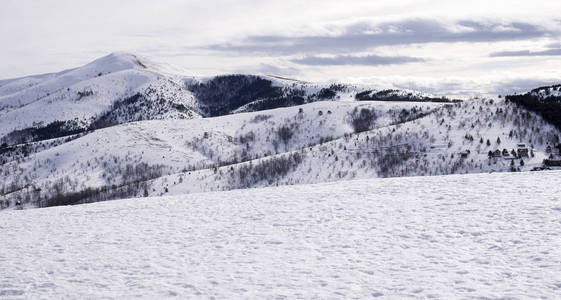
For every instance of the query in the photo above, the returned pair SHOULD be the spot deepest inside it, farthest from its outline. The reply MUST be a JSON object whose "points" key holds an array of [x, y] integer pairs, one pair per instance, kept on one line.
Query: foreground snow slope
{"points": [[460, 236]]}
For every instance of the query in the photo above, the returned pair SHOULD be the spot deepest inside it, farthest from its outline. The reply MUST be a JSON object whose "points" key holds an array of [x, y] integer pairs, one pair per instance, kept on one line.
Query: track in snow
{"points": [[468, 236]]}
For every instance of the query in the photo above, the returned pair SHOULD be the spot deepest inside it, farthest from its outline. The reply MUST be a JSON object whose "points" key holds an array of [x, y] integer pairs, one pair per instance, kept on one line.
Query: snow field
{"points": [[446, 237]]}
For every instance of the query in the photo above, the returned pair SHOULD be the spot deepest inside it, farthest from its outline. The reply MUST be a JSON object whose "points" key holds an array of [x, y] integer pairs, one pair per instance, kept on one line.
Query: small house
{"points": [[465, 154], [497, 153], [522, 150]]}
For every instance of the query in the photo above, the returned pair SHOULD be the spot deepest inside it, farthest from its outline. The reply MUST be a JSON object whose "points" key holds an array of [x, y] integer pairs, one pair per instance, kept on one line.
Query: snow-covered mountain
{"points": [[86, 94], [123, 126], [123, 87]]}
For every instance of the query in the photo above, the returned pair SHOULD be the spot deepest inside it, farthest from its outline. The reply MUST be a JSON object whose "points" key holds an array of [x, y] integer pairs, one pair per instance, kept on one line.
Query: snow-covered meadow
{"points": [[486, 236]]}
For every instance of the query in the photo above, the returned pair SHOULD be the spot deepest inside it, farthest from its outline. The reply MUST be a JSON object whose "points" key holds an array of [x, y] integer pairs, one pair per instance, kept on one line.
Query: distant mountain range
{"points": [[125, 126], [122, 87]]}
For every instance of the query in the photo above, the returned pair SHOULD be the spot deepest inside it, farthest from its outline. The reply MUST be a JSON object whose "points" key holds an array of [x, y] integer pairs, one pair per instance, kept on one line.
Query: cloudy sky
{"points": [[448, 47]]}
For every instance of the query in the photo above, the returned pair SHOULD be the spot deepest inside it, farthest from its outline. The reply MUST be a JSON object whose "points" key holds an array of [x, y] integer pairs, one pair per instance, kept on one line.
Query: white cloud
{"points": [[51, 35]]}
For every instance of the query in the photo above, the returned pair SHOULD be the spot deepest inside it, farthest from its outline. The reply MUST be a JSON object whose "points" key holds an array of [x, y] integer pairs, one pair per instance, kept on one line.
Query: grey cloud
{"points": [[549, 52], [362, 36], [340, 60]]}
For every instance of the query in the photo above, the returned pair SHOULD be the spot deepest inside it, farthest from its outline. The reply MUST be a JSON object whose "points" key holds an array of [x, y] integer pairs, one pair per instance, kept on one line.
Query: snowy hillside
{"points": [[450, 139], [181, 146], [485, 236], [549, 93], [544, 101], [312, 143]]}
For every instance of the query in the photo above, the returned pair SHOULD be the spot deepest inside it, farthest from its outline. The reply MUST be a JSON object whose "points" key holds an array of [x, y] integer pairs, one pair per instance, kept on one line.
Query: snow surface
{"points": [[483, 236]]}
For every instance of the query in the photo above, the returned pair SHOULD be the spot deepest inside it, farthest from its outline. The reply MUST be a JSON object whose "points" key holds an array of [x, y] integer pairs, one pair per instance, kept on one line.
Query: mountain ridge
{"points": [[117, 77]]}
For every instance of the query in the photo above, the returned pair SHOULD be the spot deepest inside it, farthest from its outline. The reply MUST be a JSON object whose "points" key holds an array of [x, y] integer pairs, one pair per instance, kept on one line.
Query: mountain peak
{"points": [[117, 61]]}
